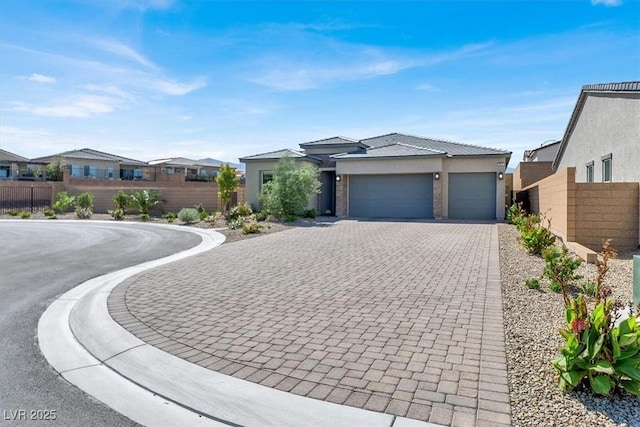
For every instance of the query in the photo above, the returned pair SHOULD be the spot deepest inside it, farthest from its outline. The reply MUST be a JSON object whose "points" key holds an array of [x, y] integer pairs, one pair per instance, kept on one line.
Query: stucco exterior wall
{"points": [[330, 149], [389, 166], [608, 123]]}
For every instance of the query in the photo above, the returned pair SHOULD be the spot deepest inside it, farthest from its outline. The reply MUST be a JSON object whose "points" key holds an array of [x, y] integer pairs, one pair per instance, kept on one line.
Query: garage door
{"points": [[472, 195], [391, 196]]}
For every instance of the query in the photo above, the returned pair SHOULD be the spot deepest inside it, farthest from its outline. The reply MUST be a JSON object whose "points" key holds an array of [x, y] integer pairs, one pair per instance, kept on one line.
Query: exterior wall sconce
{"points": [[500, 176], [436, 176], [338, 178]]}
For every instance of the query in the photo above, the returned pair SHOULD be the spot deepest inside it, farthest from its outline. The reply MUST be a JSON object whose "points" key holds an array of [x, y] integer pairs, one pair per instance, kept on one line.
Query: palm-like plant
{"points": [[145, 200]]}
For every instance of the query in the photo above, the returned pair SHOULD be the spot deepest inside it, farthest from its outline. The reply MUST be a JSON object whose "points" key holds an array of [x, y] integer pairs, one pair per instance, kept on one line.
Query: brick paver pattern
{"points": [[397, 317]]}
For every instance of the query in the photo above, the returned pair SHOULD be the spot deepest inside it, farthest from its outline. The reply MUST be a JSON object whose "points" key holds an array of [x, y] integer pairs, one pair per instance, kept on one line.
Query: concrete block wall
{"points": [[607, 211], [527, 173]]}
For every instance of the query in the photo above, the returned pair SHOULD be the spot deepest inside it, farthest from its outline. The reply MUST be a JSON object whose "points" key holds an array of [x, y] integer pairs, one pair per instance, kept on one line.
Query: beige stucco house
{"points": [[93, 164], [13, 166], [396, 176]]}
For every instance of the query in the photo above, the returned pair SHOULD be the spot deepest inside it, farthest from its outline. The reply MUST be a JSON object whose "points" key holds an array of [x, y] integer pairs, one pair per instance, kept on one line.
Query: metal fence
{"points": [[29, 199]]}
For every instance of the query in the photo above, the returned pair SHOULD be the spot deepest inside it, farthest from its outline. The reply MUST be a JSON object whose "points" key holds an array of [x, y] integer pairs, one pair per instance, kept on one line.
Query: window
{"points": [[267, 176], [75, 170], [169, 171], [606, 168], [109, 172], [137, 174], [590, 172]]}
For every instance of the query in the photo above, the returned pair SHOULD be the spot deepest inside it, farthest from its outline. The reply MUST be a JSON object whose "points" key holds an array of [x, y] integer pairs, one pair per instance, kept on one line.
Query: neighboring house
{"points": [[93, 164], [191, 170], [594, 192], [544, 153], [602, 140], [14, 167], [535, 165], [396, 176]]}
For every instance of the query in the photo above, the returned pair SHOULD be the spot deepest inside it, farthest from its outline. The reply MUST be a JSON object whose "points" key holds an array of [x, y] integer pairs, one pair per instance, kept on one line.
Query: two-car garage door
{"points": [[470, 196], [391, 196]]}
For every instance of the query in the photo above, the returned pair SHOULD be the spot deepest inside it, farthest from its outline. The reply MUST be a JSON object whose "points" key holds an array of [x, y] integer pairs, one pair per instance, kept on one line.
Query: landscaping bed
{"points": [[532, 320]]}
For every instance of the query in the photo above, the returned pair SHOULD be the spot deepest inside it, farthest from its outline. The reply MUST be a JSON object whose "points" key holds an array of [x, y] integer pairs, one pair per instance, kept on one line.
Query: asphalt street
{"points": [[40, 260]]}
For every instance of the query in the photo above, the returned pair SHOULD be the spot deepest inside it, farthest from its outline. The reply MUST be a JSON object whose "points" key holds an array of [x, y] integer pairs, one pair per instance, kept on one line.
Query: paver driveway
{"points": [[398, 317]]}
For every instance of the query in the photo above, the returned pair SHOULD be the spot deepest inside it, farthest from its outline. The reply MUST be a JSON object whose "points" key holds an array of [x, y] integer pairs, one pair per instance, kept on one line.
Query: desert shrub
{"points": [[49, 213], [602, 266], [515, 213], [251, 228], [534, 236], [25, 215], [203, 215], [234, 224], [188, 215], [14, 213], [261, 216], [588, 287], [121, 200], [145, 217], [64, 202], [200, 208], [170, 217], [117, 214], [241, 211], [290, 218], [84, 205], [309, 213], [532, 284], [289, 191], [560, 269]]}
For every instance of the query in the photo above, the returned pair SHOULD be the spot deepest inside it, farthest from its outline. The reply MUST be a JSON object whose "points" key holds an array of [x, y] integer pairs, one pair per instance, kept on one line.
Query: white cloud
{"points": [[39, 78], [427, 87], [176, 88], [80, 106], [121, 49], [608, 3], [110, 89]]}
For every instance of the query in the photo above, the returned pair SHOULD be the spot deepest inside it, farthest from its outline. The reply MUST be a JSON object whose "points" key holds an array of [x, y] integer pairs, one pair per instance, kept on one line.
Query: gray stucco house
{"points": [[395, 176], [602, 139]]}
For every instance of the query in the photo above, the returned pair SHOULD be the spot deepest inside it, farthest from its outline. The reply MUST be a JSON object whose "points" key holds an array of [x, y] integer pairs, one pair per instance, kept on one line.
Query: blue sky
{"points": [[158, 78]]}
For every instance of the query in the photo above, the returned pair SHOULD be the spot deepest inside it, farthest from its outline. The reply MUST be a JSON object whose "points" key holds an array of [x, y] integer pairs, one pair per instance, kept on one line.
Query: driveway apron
{"points": [[397, 317]]}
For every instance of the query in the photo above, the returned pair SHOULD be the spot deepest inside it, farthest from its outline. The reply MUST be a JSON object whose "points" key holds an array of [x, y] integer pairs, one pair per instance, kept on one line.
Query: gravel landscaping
{"points": [[532, 320]]}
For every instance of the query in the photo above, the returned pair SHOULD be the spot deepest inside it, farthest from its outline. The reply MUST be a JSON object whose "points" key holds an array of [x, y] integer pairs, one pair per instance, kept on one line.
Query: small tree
{"points": [[288, 193], [84, 205], [54, 169], [228, 182]]}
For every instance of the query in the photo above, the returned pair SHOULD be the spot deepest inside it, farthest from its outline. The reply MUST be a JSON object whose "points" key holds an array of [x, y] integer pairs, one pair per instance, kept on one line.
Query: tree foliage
{"points": [[288, 193], [228, 182]]}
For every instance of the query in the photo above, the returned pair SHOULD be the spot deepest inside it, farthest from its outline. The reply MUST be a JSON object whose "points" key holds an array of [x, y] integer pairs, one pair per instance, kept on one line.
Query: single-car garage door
{"points": [[391, 196], [472, 195]]}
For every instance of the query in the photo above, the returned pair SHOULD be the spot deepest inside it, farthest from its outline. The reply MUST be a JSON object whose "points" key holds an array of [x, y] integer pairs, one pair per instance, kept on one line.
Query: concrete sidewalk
{"points": [[399, 319]]}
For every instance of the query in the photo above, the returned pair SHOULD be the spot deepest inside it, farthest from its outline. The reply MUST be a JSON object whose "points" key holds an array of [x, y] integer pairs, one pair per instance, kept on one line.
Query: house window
{"points": [[169, 171], [606, 168], [590, 172], [75, 170], [137, 174], [267, 176], [109, 172]]}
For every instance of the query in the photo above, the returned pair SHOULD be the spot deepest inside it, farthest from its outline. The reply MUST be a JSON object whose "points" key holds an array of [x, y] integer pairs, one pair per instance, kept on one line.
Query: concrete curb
{"points": [[89, 349]]}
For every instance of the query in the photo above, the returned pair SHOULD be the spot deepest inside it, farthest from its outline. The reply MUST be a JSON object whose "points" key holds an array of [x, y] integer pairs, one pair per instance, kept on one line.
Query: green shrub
{"points": [[588, 287], [243, 210], [170, 217], [49, 213], [534, 236], [121, 200], [117, 214], [64, 202], [251, 228], [144, 200], [261, 216], [25, 215], [309, 213], [532, 284], [203, 215], [84, 205], [515, 213], [145, 217], [560, 269], [188, 215], [200, 208], [14, 213], [290, 218], [598, 352], [235, 223]]}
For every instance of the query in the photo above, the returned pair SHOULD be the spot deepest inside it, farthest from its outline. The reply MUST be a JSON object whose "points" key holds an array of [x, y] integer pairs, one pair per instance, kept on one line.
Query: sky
{"points": [[150, 79]]}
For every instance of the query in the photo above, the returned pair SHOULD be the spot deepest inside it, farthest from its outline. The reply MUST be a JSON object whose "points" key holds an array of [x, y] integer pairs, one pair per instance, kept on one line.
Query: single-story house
{"points": [[395, 176], [93, 164]]}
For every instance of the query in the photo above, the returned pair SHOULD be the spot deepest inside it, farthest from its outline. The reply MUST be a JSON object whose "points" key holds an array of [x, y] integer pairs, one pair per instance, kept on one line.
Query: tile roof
{"points": [[448, 147], [9, 156], [90, 154], [279, 154], [336, 140], [392, 150], [613, 87]]}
